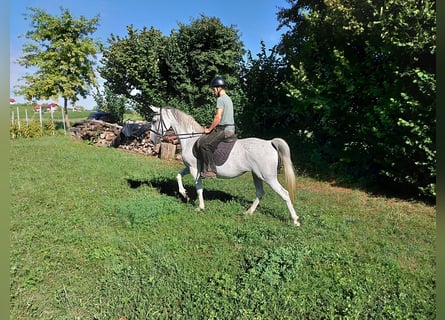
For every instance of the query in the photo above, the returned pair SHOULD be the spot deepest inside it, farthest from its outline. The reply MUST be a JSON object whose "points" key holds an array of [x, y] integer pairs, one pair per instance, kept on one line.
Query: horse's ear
{"points": [[155, 109]]}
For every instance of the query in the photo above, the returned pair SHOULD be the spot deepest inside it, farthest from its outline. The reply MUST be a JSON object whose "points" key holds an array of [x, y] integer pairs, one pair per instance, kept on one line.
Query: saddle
{"points": [[222, 151]]}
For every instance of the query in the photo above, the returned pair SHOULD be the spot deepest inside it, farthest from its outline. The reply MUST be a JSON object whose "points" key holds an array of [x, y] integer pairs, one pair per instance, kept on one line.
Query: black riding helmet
{"points": [[217, 82]]}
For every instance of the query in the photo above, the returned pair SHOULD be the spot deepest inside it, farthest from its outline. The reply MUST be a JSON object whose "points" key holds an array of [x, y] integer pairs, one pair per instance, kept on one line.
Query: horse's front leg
{"points": [[179, 176], [198, 185]]}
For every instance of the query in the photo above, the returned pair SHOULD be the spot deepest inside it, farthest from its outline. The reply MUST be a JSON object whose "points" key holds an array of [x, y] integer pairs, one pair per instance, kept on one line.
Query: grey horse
{"points": [[261, 157]]}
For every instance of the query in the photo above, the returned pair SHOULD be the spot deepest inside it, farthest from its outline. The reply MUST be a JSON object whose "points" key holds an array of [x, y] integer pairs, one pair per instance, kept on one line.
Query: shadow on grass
{"points": [[170, 187]]}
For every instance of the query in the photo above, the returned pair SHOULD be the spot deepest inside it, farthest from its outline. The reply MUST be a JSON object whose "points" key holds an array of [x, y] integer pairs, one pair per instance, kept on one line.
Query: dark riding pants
{"points": [[207, 146]]}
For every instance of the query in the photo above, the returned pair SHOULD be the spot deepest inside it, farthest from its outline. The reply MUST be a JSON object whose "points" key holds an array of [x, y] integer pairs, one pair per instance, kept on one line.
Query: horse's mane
{"points": [[186, 119]]}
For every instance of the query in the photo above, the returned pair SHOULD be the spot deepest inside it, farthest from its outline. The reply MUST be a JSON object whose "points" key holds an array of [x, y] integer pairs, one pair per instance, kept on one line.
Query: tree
{"points": [[136, 61], [364, 78], [268, 109], [112, 103], [200, 51], [62, 53], [174, 70]]}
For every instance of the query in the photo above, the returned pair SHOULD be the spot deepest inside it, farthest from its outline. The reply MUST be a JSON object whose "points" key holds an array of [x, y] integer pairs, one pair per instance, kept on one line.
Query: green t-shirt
{"points": [[224, 102]]}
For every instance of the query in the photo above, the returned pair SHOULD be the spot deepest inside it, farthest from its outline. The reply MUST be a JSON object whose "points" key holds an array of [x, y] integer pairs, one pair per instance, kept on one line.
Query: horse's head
{"points": [[159, 124]]}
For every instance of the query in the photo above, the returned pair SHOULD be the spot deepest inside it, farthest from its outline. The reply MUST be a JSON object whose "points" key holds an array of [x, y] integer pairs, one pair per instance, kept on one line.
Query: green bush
{"points": [[363, 83], [32, 129]]}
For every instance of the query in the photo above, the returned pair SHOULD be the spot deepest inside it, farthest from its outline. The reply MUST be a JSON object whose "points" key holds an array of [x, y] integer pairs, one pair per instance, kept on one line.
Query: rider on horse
{"points": [[222, 127]]}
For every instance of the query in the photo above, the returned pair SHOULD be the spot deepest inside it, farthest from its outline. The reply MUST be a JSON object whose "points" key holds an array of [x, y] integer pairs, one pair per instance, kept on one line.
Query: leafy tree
{"points": [[175, 70], [111, 103], [268, 109], [363, 76], [62, 53], [202, 50], [136, 61]]}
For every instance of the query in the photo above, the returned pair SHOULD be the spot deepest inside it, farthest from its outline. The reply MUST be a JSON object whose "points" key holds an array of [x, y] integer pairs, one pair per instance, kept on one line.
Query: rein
{"points": [[188, 135]]}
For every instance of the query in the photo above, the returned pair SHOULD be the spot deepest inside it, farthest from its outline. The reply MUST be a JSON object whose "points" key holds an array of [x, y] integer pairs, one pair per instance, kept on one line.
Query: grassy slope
{"points": [[98, 233]]}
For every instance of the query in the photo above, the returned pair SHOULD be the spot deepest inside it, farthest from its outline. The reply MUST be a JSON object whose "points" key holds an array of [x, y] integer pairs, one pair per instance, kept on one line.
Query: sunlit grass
{"points": [[99, 233]]}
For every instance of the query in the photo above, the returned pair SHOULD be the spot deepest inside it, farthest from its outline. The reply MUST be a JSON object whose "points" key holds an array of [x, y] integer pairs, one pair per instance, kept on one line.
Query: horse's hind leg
{"points": [[284, 194], [259, 189], [179, 176]]}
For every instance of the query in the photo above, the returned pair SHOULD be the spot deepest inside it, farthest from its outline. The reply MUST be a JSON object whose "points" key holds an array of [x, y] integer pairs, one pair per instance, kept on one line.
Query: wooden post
{"points": [[40, 115], [63, 121], [168, 151], [18, 117]]}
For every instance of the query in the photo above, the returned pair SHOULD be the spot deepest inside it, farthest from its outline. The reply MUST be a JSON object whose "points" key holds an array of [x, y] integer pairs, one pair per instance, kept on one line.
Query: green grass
{"points": [[98, 233]]}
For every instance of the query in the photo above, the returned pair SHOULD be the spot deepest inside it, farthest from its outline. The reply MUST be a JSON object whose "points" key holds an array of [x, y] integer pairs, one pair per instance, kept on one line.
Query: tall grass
{"points": [[97, 233]]}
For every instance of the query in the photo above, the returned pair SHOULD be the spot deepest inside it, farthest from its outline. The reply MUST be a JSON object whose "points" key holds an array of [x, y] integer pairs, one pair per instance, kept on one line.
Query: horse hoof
{"points": [[296, 223], [199, 209]]}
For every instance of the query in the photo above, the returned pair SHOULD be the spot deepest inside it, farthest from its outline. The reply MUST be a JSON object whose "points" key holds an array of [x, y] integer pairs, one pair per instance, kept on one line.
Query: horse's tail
{"points": [[289, 174]]}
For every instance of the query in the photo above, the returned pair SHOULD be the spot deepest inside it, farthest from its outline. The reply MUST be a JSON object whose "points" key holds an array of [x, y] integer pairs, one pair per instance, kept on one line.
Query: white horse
{"points": [[261, 157]]}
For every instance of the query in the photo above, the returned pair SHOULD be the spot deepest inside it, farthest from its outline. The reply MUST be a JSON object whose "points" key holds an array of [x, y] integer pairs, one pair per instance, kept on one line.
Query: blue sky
{"points": [[255, 20]]}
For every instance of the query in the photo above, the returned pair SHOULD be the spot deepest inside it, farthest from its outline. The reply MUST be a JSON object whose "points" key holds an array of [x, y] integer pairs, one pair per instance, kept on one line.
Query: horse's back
{"points": [[257, 147], [250, 154]]}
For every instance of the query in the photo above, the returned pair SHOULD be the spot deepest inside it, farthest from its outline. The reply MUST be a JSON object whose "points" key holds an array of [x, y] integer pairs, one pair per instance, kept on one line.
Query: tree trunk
{"points": [[65, 111]]}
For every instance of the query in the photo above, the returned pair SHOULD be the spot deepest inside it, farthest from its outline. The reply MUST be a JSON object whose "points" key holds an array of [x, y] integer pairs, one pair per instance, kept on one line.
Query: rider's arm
{"points": [[216, 120]]}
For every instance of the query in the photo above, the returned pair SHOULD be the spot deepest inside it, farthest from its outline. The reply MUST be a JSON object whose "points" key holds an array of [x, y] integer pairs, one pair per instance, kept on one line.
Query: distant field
{"points": [[26, 110], [74, 116], [98, 233]]}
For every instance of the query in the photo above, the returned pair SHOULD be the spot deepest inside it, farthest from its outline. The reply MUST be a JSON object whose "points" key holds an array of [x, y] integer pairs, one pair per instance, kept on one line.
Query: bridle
{"points": [[162, 129], [161, 125]]}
